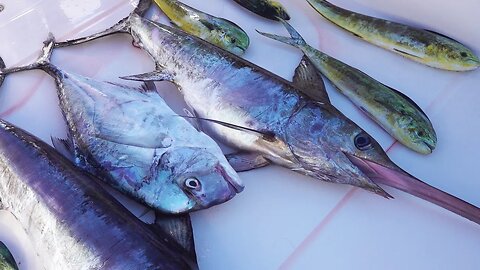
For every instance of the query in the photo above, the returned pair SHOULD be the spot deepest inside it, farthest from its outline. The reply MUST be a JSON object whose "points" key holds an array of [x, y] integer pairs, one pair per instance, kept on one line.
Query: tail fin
{"points": [[295, 38], [122, 26], [42, 62]]}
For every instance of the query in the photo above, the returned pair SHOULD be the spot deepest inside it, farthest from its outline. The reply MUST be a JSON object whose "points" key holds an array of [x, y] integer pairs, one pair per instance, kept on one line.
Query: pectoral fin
{"points": [[156, 75], [308, 80], [244, 161], [179, 229]]}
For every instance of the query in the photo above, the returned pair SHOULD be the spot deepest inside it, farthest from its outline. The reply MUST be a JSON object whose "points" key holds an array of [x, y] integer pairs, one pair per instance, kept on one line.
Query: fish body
{"points": [[269, 116], [72, 222], [7, 262], [269, 9], [427, 47], [139, 146], [218, 31], [393, 111]]}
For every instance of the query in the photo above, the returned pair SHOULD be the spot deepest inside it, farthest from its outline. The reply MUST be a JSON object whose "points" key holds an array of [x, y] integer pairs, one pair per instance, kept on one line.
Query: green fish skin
{"points": [[218, 31], [266, 8], [423, 46], [392, 110], [6, 259]]}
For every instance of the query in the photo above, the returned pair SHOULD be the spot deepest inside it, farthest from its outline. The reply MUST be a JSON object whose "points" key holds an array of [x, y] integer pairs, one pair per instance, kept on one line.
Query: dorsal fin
{"points": [[309, 81], [442, 35], [409, 100]]}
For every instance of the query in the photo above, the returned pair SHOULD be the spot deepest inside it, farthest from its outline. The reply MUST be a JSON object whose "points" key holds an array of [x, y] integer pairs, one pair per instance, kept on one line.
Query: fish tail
{"points": [[123, 26], [42, 62], [295, 38]]}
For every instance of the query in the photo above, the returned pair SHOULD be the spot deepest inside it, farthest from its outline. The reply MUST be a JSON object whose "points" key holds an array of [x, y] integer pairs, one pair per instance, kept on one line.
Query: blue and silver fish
{"points": [[137, 144], [308, 136]]}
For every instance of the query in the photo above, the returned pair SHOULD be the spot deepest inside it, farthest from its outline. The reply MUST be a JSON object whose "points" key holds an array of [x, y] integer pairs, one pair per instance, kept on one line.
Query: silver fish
{"points": [[72, 222], [307, 136], [138, 145]]}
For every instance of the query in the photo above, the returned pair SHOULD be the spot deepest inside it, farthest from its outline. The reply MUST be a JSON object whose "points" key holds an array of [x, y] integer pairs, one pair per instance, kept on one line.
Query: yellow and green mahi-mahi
{"points": [[218, 31], [6, 259], [266, 8], [392, 110], [424, 46]]}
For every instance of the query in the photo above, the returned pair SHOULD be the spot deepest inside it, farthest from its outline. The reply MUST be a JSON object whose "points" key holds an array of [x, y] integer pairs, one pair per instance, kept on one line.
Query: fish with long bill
{"points": [[290, 129]]}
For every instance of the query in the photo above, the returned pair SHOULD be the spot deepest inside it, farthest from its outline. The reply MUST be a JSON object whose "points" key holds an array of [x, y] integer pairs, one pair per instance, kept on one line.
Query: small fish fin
{"points": [[309, 81], [192, 118], [151, 76], [442, 35], [142, 7], [122, 26], [266, 135], [64, 147], [244, 161], [8, 262], [409, 100], [148, 86], [295, 38], [143, 140], [179, 228], [406, 53]]}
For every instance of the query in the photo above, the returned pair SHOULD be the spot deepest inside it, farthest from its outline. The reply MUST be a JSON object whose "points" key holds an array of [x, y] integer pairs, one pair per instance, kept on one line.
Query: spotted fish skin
{"points": [[218, 31], [420, 45], [71, 221], [7, 262]]}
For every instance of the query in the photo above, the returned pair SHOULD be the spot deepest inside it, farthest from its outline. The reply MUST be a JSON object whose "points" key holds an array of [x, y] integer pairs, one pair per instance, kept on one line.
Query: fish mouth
{"points": [[234, 183], [393, 176], [429, 146]]}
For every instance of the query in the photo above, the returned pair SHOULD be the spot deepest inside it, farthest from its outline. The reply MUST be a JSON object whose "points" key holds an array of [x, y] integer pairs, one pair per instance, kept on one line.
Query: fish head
{"points": [[230, 36], [458, 57], [418, 135], [323, 141], [198, 179]]}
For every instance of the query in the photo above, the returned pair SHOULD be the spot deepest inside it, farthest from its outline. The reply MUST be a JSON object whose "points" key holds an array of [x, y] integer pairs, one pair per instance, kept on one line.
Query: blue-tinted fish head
{"points": [[197, 179]]}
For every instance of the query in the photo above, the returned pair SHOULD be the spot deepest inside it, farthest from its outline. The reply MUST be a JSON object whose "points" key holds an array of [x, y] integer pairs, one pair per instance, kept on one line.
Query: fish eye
{"points": [[233, 40], [463, 54], [192, 183], [362, 141], [420, 133]]}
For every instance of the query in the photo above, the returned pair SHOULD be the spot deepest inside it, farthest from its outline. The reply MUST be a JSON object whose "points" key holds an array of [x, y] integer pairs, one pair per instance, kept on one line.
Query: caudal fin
{"points": [[295, 38], [122, 26], [42, 62]]}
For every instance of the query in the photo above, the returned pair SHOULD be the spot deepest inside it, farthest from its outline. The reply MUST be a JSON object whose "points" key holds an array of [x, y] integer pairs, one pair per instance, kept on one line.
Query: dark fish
{"points": [[269, 9], [72, 222], [307, 136]]}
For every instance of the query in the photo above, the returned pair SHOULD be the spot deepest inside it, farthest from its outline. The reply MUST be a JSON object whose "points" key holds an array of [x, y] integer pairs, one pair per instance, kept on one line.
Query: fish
{"points": [[71, 221], [423, 46], [292, 130], [269, 9], [7, 262], [396, 113], [135, 143], [218, 31]]}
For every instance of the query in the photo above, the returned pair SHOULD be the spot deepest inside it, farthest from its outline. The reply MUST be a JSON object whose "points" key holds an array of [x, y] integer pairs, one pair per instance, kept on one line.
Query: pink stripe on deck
{"points": [[287, 264], [24, 100]]}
